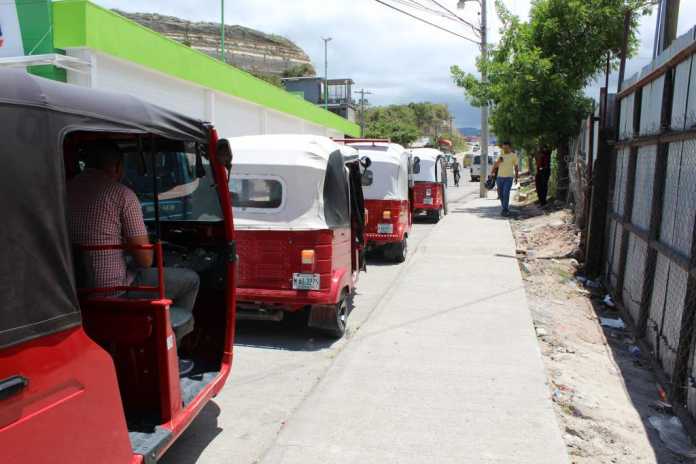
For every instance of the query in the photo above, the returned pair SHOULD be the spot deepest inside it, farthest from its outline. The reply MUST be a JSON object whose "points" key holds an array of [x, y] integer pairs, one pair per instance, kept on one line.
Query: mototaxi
{"points": [[430, 183], [300, 229], [88, 375], [387, 184]]}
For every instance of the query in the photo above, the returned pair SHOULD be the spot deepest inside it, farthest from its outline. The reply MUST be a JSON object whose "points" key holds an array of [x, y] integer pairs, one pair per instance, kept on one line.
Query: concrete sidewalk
{"points": [[447, 369]]}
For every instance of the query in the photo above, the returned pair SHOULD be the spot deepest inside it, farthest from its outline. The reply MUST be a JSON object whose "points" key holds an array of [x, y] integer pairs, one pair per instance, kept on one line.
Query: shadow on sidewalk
{"points": [[286, 335]]}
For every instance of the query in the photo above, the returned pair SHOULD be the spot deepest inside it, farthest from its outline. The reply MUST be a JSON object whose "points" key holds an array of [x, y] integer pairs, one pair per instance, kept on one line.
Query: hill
{"points": [[254, 51]]}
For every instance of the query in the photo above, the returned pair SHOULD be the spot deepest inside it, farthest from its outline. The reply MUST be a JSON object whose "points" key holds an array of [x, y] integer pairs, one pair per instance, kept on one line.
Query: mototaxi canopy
{"points": [[37, 283], [390, 171], [431, 166], [303, 179]]}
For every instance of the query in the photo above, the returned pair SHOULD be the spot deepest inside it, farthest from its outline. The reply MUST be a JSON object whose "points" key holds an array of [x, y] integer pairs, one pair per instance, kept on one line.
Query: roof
{"points": [[287, 149], [23, 89], [381, 151], [79, 23], [426, 152]]}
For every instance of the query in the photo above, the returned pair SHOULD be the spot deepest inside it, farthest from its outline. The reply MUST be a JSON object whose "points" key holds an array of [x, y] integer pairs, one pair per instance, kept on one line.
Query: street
{"points": [[295, 397]]}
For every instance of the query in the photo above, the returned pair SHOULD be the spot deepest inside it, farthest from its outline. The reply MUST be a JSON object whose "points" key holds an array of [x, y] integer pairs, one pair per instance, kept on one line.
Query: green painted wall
{"points": [[78, 23], [36, 23]]}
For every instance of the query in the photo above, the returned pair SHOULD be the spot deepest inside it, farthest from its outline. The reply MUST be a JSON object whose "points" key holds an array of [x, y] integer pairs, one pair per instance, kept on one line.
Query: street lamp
{"points": [[326, 71], [483, 192], [222, 30]]}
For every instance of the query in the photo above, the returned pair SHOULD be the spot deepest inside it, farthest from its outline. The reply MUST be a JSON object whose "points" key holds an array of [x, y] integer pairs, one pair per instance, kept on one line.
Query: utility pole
{"points": [[671, 16], [362, 93], [326, 71], [222, 30], [483, 192]]}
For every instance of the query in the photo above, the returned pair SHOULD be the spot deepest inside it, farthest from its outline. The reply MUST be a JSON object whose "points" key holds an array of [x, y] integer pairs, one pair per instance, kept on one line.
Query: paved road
{"points": [[427, 372]]}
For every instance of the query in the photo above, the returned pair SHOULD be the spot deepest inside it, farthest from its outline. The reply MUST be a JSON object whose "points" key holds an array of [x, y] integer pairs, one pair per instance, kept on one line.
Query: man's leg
{"points": [[500, 184], [505, 194], [180, 285]]}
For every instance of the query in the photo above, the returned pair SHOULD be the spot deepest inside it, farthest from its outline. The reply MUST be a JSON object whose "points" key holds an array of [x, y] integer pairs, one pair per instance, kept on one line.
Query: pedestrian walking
{"points": [[543, 173], [456, 172], [507, 167]]}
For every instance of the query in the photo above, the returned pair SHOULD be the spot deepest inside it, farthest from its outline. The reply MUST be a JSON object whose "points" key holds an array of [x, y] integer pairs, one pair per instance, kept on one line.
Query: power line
{"points": [[427, 22], [455, 15]]}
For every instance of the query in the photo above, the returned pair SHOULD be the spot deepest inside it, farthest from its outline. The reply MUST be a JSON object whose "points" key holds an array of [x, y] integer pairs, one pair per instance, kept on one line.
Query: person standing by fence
{"points": [[543, 173], [506, 166]]}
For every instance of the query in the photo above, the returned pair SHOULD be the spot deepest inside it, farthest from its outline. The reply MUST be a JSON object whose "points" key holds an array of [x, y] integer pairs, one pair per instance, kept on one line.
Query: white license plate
{"points": [[385, 228], [305, 281], [428, 201]]}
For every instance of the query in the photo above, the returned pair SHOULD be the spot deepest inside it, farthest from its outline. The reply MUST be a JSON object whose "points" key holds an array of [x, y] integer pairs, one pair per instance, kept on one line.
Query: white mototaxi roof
{"points": [[300, 163], [390, 170], [429, 169]]}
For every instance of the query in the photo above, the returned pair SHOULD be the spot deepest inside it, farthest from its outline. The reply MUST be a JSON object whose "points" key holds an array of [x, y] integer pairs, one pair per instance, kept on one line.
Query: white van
{"points": [[476, 167]]}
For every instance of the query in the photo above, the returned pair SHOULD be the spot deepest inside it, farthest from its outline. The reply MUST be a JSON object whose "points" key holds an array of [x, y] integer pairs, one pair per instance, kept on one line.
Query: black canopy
{"points": [[37, 288]]}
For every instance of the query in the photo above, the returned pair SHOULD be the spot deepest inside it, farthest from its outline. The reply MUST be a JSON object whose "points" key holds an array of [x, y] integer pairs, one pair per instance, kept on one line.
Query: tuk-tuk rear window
{"points": [[256, 193]]}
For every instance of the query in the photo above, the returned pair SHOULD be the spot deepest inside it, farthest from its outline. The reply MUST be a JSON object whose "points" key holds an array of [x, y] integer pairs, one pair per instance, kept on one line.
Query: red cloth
{"points": [[543, 160], [102, 211]]}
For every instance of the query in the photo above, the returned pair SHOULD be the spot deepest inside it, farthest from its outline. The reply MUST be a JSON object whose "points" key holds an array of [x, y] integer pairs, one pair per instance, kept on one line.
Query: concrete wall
{"points": [[232, 116]]}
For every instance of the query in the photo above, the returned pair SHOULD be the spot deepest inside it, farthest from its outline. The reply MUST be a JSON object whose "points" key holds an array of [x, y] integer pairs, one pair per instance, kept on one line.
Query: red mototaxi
{"points": [[299, 216], [86, 377], [387, 191], [430, 183]]}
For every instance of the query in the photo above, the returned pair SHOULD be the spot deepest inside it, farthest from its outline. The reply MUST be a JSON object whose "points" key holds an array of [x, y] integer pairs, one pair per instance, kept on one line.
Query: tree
{"points": [[403, 124], [538, 71]]}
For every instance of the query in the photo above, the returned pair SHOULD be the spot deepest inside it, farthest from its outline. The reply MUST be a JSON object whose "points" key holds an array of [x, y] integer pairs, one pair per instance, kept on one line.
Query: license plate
{"points": [[385, 228], [305, 281], [428, 201]]}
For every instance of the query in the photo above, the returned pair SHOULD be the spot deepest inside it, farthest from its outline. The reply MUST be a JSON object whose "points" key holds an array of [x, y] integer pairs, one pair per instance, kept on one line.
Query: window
{"points": [[256, 193], [182, 196]]}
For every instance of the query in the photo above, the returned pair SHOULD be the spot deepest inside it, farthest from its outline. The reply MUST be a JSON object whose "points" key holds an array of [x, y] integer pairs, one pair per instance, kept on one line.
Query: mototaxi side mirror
{"points": [[200, 169], [366, 162], [224, 154], [416, 165]]}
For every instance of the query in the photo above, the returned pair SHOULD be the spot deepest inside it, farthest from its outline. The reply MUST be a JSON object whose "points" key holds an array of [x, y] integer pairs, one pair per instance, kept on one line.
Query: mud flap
{"points": [[322, 317]]}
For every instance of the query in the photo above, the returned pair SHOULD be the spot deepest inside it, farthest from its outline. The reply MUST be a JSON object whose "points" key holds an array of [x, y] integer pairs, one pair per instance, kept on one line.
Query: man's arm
{"points": [[143, 258], [517, 169], [134, 230]]}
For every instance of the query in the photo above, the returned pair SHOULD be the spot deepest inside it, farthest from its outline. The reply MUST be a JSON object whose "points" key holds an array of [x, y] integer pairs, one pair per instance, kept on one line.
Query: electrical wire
{"points": [[427, 22], [455, 15]]}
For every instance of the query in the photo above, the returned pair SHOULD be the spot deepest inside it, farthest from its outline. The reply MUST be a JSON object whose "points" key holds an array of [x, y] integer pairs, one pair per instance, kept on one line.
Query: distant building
{"points": [[340, 93]]}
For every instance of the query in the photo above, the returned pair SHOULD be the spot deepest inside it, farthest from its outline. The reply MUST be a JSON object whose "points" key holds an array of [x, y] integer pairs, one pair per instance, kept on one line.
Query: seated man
{"points": [[102, 211]]}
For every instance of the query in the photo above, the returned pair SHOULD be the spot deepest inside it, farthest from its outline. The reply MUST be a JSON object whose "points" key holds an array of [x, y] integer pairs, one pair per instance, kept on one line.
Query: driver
{"points": [[102, 211]]}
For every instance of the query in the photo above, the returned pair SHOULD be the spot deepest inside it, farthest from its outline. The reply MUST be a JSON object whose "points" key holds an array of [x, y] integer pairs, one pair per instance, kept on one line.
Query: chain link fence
{"points": [[650, 254]]}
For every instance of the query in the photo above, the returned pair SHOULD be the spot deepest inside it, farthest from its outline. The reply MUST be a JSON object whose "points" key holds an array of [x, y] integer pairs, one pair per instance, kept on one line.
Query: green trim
{"points": [[78, 23], [35, 22]]}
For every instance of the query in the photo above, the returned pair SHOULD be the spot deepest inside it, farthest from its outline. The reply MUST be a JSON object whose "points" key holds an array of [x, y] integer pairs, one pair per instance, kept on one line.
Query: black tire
{"points": [[337, 327], [400, 251], [435, 216]]}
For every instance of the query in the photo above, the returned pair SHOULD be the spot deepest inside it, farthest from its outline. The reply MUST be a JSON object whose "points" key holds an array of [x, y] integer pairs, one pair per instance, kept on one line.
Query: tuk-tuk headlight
{"points": [[386, 214]]}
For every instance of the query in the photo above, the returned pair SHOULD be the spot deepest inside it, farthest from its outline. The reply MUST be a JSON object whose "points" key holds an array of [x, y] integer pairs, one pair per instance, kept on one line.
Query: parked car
{"points": [[476, 167], [299, 215], [430, 186], [387, 190], [87, 374]]}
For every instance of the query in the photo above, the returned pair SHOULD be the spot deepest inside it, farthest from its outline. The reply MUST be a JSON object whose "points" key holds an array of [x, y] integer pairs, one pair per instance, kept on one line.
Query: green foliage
{"points": [[538, 71], [300, 70], [395, 122]]}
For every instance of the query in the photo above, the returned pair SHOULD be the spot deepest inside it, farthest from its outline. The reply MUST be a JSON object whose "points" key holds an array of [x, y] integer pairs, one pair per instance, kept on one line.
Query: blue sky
{"points": [[396, 58]]}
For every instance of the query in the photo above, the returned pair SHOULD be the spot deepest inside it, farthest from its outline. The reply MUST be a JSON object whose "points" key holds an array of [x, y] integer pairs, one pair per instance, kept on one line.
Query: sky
{"points": [[389, 54]]}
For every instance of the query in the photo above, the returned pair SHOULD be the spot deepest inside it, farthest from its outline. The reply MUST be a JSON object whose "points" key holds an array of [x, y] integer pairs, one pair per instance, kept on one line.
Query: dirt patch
{"points": [[602, 388]]}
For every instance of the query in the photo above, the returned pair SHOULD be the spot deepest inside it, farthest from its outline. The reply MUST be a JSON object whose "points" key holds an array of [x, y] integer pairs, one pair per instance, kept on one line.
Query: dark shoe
{"points": [[185, 367], [504, 213]]}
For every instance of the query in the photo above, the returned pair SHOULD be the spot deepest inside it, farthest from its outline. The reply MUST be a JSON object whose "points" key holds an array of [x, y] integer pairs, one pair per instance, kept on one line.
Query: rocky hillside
{"points": [[249, 49]]}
